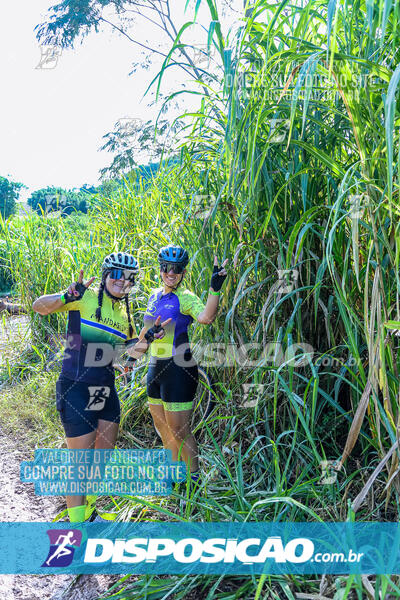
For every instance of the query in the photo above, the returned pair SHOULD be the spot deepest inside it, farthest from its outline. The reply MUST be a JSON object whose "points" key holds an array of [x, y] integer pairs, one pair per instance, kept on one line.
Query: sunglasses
{"points": [[166, 267], [127, 274]]}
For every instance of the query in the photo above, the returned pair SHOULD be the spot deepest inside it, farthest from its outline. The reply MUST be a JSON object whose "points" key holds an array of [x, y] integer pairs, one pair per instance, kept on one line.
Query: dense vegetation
{"points": [[290, 169], [53, 199], [9, 193]]}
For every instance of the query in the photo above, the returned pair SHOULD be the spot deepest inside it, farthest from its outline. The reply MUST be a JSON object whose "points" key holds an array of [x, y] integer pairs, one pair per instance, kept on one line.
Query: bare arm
{"points": [[210, 312], [137, 350], [45, 305]]}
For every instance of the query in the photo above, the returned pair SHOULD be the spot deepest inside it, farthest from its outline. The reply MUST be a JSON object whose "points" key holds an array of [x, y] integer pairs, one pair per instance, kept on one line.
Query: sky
{"points": [[52, 119]]}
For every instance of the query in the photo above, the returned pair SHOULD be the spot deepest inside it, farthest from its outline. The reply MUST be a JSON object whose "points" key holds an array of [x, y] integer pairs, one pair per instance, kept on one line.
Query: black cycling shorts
{"points": [[82, 404], [171, 385]]}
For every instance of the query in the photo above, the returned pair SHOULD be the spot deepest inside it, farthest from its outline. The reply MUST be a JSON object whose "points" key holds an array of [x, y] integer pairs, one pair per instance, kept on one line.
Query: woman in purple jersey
{"points": [[173, 376]]}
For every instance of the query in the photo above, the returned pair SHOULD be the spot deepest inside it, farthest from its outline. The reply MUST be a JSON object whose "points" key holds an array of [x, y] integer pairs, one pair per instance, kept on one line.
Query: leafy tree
{"points": [[134, 142], [71, 20], [46, 199], [88, 189], [74, 19], [76, 200], [108, 187], [9, 193], [51, 199]]}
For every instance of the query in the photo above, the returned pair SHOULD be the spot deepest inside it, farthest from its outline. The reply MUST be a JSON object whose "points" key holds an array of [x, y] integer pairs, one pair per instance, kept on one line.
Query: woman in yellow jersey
{"points": [[98, 322], [173, 376]]}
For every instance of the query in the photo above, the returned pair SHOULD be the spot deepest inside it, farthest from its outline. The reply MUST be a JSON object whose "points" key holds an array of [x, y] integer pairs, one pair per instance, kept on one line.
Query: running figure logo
{"points": [[49, 57], [63, 543], [98, 397]]}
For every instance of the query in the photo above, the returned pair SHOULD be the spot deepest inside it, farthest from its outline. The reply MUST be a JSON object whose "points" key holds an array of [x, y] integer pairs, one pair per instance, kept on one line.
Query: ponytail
{"points": [[100, 299], [128, 312]]}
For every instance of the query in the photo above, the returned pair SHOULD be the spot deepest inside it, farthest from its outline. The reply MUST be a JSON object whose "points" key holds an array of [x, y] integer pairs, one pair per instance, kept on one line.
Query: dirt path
{"points": [[18, 502]]}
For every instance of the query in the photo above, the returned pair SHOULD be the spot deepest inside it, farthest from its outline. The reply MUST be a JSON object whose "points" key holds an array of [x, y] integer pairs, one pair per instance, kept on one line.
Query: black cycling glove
{"points": [[80, 288], [216, 279], [149, 335], [127, 357]]}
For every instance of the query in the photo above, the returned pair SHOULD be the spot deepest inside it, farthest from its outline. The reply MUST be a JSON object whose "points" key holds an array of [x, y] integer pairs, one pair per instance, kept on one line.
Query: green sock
{"points": [[77, 513], [90, 506]]}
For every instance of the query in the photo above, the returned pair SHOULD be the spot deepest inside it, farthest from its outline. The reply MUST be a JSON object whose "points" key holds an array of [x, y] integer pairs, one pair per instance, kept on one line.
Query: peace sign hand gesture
{"points": [[218, 275], [76, 290], [157, 331]]}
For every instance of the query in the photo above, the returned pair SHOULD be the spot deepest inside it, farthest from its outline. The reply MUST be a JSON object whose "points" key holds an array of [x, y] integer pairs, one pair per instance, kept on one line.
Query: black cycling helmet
{"points": [[173, 254], [120, 260]]}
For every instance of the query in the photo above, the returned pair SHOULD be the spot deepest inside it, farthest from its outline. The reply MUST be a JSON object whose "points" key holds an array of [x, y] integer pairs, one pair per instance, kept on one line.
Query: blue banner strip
{"points": [[208, 548], [58, 472]]}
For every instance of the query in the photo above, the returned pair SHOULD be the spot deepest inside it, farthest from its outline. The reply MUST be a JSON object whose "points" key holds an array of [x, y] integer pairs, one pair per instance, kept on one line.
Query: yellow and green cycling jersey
{"points": [[91, 344], [183, 307]]}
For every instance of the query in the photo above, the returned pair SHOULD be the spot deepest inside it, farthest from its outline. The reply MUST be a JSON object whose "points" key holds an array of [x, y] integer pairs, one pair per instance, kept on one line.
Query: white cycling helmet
{"points": [[120, 260]]}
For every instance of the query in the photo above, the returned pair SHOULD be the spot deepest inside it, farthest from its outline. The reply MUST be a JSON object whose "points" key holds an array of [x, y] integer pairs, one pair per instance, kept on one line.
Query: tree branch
{"points": [[136, 12], [131, 39]]}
